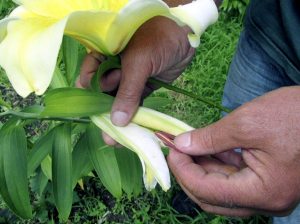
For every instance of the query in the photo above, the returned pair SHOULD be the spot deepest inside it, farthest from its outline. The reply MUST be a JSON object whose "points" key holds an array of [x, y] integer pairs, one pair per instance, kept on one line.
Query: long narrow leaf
{"points": [[46, 167], [62, 171], [70, 49], [13, 170], [131, 171], [58, 80], [104, 161], [72, 58], [40, 150], [81, 162], [74, 102]]}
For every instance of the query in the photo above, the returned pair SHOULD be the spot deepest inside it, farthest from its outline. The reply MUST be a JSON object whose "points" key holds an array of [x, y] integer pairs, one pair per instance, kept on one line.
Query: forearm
{"points": [[173, 3]]}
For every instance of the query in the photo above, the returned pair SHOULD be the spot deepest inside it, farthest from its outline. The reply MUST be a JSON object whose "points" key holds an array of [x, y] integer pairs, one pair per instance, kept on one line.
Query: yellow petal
{"points": [[145, 144], [158, 121], [29, 52], [130, 18], [60, 8], [90, 28]]}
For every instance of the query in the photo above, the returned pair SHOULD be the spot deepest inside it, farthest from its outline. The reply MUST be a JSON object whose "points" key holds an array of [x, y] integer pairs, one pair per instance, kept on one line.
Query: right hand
{"points": [[264, 178]]}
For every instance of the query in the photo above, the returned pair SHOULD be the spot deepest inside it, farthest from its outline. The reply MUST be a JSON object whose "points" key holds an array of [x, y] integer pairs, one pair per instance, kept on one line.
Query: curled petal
{"points": [[198, 15], [145, 144], [158, 121]]}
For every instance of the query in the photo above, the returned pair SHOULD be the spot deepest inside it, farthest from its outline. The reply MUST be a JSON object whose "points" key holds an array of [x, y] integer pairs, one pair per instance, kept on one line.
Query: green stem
{"points": [[184, 92], [32, 116]]}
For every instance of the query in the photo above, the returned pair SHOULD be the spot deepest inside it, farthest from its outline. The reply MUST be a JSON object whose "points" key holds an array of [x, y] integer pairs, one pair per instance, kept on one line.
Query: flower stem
{"points": [[189, 94], [32, 116]]}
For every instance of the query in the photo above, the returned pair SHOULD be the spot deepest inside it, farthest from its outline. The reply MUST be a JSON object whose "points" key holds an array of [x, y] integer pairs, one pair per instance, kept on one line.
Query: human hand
{"points": [[159, 49], [265, 177]]}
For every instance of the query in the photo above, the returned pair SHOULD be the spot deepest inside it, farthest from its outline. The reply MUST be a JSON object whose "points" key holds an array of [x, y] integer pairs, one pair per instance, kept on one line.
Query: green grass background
{"points": [[206, 77]]}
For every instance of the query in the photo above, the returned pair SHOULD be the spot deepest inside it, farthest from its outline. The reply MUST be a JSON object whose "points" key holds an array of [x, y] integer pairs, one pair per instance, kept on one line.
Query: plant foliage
{"points": [[234, 7]]}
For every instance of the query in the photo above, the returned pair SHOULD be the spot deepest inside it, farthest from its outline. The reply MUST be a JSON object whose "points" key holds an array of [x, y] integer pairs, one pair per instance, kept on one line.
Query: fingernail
{"points": [[183, 141], [119, 118]]}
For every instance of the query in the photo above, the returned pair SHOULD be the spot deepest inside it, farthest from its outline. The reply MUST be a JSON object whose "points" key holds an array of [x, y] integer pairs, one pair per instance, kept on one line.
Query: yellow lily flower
{"points": [[30, 37], [144, 142]]}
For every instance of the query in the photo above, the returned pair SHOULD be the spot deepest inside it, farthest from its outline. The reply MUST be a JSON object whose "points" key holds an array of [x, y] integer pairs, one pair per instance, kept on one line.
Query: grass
{"points": [[206, 77]]}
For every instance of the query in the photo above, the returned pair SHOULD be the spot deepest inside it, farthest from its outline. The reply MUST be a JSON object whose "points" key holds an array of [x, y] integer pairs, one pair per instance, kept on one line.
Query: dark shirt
{"points": [[275, 25]]}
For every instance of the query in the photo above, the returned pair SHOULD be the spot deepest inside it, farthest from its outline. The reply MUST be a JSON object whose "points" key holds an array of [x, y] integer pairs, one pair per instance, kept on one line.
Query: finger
{"points": [[238, 212], [108, 140], [215, 138], [135, 72], [89, 67], [110, 81], [240, 189], [231, 157], [233, 212], [212, 165]]}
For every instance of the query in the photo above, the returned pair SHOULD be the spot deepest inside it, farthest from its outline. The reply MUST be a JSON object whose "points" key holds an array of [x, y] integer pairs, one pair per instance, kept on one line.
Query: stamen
{"points": [[166, 138]]}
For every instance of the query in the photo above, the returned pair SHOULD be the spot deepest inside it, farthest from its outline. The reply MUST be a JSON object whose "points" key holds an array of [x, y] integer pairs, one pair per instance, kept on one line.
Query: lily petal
{"points": [[3, 27], [23, 56], [158, 121], [198, 15], [130, 18], [145, 144], [61, 8]]}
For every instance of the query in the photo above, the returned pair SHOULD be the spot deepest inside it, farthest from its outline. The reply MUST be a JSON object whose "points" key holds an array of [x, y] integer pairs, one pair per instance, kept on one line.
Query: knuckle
{"points": [[203, 138], [246, 122], [129, 96]]}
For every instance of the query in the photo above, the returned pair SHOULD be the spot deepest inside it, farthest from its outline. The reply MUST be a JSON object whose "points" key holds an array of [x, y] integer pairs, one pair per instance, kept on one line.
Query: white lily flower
{"points": [[140, 138], [31, 36], [145, 144]]}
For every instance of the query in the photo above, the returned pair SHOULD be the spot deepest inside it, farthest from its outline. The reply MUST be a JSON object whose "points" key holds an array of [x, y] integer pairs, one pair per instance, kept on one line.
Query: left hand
{"points": [[264, 178], [160, 49]]}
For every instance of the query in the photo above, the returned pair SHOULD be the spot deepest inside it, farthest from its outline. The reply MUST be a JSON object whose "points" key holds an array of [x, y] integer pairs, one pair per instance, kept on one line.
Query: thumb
{"points": [[213, 139], [135, 73]]}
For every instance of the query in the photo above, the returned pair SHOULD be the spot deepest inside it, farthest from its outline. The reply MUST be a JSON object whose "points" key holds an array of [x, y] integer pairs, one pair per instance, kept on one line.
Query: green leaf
{"points": [[42, 147], [13, 170], [70, 49], [131, 171], [58, 80], [74, 102], [112, 62], [39, 182], [81, 162], [104, 161], [46, 167], [62, 171], [156, 102]]}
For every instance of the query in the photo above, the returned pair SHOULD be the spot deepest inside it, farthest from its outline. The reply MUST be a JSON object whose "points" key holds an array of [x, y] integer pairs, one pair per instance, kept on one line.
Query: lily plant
{"points": [[31, 36]]}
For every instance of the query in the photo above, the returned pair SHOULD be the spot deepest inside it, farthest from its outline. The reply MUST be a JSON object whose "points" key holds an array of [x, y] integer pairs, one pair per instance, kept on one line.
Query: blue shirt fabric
{"points": [[275, 26]]}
